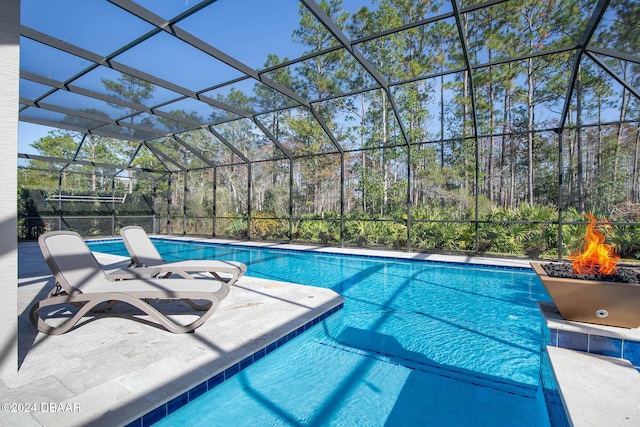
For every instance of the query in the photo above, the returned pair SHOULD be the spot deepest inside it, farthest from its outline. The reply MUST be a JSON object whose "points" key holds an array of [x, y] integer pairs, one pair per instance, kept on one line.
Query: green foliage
{"points": [[265, 226], [317, 231], [60, 144], [235, 228], [626, 241], [529, 231]]}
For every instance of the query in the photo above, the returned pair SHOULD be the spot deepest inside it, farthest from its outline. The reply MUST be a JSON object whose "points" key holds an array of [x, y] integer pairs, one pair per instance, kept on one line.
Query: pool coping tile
{"points": [[176, 403]]}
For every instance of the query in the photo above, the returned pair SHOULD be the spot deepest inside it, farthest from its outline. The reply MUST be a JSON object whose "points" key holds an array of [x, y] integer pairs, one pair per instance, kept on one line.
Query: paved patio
{"points": [[111, 370]]}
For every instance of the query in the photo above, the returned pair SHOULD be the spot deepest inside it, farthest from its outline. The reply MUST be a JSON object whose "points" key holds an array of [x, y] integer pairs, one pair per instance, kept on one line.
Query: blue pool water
{"points": [[417, 343]]}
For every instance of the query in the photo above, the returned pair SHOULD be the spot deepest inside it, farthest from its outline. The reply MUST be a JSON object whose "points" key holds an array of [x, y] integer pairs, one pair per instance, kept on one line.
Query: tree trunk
{"points": [[634, 174], [441, 120], [530, 121], [492, 121], [579, 180], [383, 160]]}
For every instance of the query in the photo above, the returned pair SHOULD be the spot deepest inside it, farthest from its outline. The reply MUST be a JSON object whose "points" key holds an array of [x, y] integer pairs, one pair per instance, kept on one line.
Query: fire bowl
{"points": [[593, 301]]}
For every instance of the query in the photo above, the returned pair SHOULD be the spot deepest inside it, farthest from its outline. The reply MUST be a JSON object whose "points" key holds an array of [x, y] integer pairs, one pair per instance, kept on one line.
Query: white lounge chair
{"points": [[144, 254], [80, 281]]}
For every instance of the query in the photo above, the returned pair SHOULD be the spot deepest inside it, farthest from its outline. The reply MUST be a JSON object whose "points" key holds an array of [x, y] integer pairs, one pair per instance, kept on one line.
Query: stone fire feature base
{"points": [[592, 301]]}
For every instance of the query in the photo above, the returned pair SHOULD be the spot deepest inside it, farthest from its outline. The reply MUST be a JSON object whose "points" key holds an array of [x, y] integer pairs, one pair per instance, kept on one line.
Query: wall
{"points": [[9, 101]]}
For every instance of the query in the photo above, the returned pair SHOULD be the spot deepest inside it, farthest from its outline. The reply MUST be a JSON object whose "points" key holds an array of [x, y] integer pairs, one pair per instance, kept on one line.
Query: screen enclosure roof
{"points": [[171, 80]]}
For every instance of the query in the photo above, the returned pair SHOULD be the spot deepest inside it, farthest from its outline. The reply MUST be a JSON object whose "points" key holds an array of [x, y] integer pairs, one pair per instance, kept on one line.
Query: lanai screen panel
{"points": [[365, 120], [270, 188], [182, 157], [415, 52], [57, 119], [167, 10], [30, 90], [316, 185], [100, 149], [251, 96], [142, 157], [443, 180], [210, 147], [270, 200], [129, 131], [84, 178], [249, 139], [601, 168], [232, 186], [514, 28], [277, 123], [618, 79], [176, 203], [316, 198], [377, 198], [197, 112], [85, 104], [270, 40], [378, 179], [231, 202], [194, 71], [618, 30], [199, 202], [299, 132], [47, 176], [370, 18], [601, 176], [319, 77], [432, 109], [521, 95], [43, 60], [128, 91], [605, 98], [86, 200], [513, 168], [519, 169], [163, 124], [93, 26]]}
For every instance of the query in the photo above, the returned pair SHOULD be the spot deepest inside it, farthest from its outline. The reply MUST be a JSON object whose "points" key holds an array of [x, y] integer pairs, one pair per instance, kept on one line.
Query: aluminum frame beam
{"points": [[595, 19]]}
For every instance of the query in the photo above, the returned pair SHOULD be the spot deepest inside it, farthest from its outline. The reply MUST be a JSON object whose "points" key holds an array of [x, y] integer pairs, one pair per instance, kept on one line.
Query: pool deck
{"points": [[595, 389], [111, 371]]}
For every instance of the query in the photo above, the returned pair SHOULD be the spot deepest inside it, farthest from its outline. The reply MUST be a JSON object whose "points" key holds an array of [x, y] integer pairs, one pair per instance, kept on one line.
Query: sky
{"points": [[29, 133]]}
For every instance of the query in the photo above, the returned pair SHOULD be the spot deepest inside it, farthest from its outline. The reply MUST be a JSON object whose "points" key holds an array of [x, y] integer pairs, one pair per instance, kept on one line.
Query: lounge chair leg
{"points": [[88, 306], [197, 306]]}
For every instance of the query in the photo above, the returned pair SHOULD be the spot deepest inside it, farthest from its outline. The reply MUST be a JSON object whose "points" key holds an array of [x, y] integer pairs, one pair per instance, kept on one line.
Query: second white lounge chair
{"points": [[144, 254]]}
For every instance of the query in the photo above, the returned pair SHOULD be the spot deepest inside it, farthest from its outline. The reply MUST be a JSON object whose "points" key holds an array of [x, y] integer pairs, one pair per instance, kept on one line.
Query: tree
{"points": [[134, 90]]}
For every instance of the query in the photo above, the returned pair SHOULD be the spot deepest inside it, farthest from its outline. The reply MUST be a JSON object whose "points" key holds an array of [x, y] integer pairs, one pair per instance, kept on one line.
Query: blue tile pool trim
{"points": [[589, 343], [595, 344], [555, 407], [172, 405]]}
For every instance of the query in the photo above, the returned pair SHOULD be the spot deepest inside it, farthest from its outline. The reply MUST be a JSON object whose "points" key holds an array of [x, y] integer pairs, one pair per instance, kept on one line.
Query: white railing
{"points": [[71, 198]]}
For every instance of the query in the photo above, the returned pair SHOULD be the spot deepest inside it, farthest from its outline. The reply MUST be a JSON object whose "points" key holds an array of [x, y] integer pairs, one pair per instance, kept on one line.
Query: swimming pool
{"points": [[417, 343]]}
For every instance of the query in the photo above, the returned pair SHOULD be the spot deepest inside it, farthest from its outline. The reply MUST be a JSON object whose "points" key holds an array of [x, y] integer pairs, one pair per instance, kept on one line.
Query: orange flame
{"points": [[597, 257]]}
